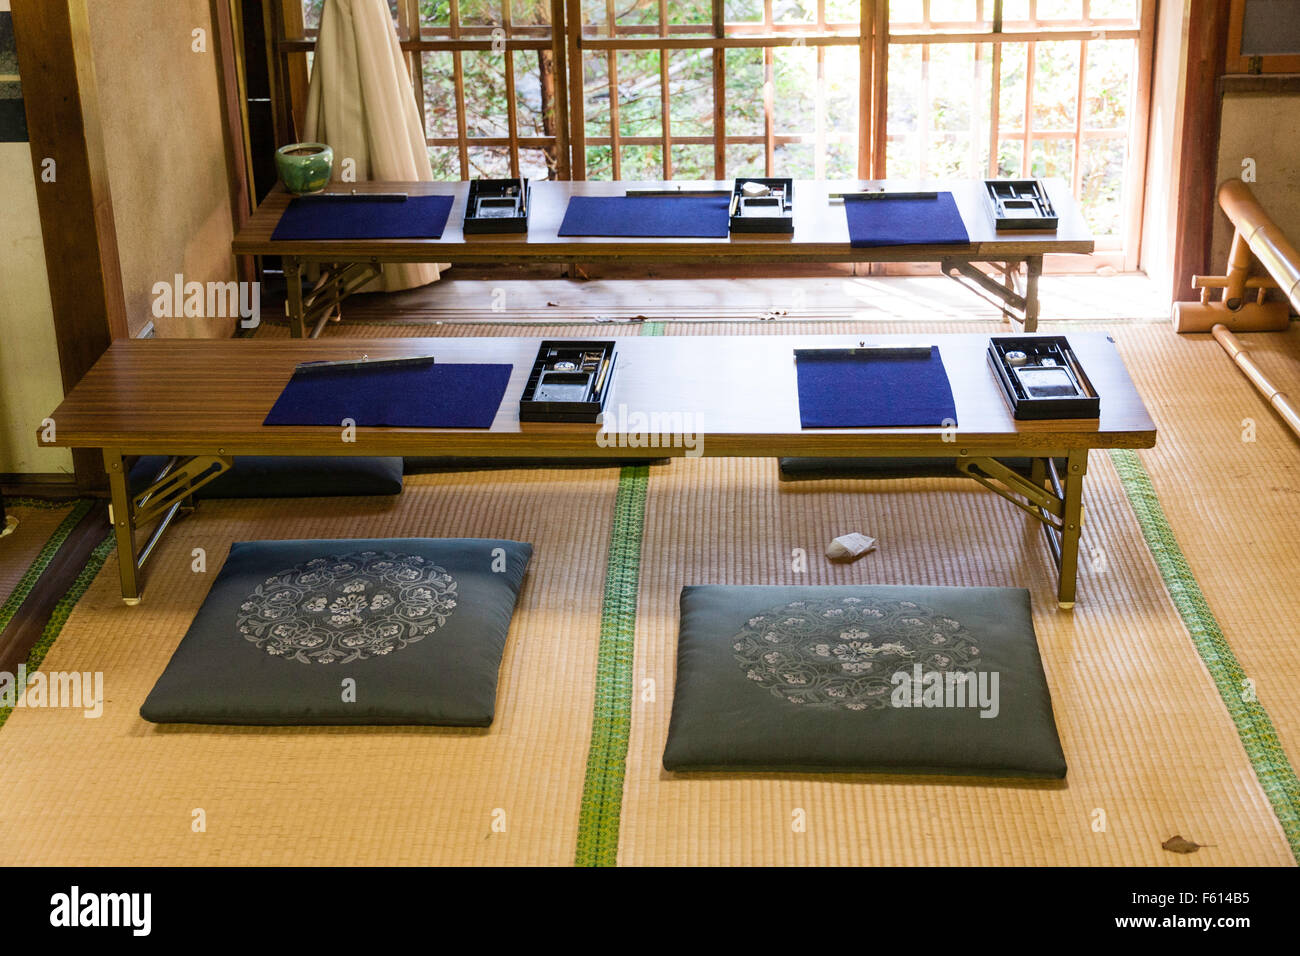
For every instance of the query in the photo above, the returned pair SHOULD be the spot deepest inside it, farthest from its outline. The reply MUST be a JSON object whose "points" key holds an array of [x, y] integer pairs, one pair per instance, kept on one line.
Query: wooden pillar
{"points": [[72, 191], [1207, 40]]}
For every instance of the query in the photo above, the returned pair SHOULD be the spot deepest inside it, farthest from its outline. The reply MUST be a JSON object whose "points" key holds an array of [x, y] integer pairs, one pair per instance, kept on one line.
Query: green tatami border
{"points": [[611, 723], [59, 616], [1255, 728], [80, 508]]}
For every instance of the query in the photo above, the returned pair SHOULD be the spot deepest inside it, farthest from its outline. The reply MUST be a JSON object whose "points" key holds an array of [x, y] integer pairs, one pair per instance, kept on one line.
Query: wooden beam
{"points": [[234, 126], [1207, 41], [76, 207], [560, 102], [577, 106]]}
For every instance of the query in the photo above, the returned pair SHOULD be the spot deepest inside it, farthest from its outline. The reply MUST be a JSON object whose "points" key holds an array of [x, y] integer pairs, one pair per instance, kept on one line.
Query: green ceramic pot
{"points": [[305, 167]]}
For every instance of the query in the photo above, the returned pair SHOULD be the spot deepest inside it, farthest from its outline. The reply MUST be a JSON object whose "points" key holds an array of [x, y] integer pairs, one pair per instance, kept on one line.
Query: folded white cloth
{"points": [[849, 547]]}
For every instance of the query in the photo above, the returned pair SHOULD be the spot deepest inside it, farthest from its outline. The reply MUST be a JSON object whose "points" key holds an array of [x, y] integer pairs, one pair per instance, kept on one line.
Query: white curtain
{"points": [[361, 103]]}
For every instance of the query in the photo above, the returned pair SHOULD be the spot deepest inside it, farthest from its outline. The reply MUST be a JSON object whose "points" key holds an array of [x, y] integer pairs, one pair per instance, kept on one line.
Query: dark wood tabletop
{"points": [[820, 229], [736, 394]]}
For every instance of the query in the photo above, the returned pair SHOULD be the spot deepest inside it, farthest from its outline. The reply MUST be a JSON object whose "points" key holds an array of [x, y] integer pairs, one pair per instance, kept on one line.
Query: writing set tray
{"points": [[767, 206], [1041, 378], [1020, 204], [497, 207], [569, 382]]}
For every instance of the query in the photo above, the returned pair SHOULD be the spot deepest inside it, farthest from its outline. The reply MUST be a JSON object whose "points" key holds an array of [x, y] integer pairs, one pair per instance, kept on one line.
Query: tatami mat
{"points": [[38, 524], [1233, 502], [1152, 750], [119, 790], [1147, 738]]}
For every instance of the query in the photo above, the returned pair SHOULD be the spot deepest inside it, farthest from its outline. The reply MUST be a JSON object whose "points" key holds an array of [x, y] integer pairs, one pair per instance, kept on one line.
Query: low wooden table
{"points": [[203, 402], [821, 234]]}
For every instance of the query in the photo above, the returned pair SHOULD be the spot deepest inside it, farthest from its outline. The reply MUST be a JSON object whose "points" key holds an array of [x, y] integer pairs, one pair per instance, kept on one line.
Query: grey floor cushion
{"points": [[290, 476], [861, 679], [380, 631]]}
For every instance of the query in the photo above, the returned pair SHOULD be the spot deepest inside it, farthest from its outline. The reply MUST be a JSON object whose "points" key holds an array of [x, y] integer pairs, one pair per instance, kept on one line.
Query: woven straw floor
{"points": [[1152, 750]]}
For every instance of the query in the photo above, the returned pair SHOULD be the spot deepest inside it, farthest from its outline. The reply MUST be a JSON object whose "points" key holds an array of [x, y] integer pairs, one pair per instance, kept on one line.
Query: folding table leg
{"points": [[1033, 269], [123, 526], [1076, 466], [293, 283]]}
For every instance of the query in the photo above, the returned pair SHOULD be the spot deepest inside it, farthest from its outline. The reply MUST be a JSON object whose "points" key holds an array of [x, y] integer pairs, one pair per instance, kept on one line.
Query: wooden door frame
{"points": [[1198, 161], [57, 67]]}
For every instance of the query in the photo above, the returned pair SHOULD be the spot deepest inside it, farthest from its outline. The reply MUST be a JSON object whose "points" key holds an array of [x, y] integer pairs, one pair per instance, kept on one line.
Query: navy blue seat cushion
{"points": [[379, 631], [835, 678], [806, 469], [289, 476]]}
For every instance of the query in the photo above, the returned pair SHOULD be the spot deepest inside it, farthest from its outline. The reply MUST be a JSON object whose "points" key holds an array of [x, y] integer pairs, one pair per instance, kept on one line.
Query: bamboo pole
{"points": [[1270, 246], [1278, 399]]}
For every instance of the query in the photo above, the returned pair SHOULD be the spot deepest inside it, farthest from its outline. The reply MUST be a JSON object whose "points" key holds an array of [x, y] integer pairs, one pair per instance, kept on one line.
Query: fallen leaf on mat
{"points": [[1176, 844]]}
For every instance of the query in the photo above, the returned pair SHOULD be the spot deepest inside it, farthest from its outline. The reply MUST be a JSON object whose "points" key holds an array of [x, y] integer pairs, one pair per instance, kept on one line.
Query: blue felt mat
{"points": [[702, 217], [429, 396], [865, 391], [905, 222], [416, 217]]}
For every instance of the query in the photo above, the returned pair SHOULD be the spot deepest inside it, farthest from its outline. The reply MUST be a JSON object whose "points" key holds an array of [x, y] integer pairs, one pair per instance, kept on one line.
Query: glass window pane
{"points": [[690, 91], [1010, 153], [489, 162], [534, 164], [842, 159], [1107, 86], [596, 13], [439, 95], [528, 94], [596, 90], [445, 161], [1101, 190], [904, 89], [1113, 9], [795, 160], [1060, 9], [795, 89], [1052, 158], [843, 11], [480, 13], [642, 162], [953, 84], [742, 11], [840, 86], [637, 14], [599, 162], [1015, 10], [954, 11], [1011, 96], [744, 92], [698, 12], [692, 161], [435, 14], [311, 10], [902, 156], [794, 11], [639, 110], [911, 12], [530, 12], [485, 93], [1056, 85], [745, 159]]}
